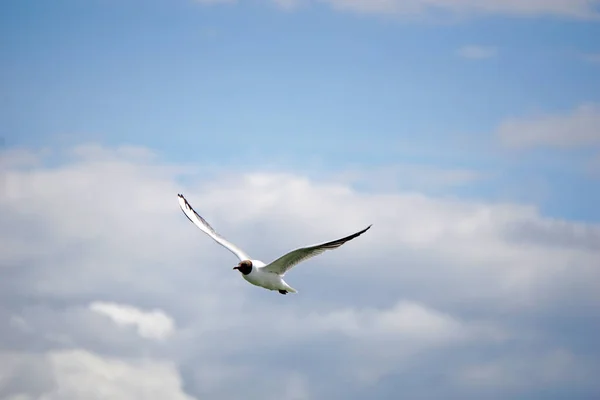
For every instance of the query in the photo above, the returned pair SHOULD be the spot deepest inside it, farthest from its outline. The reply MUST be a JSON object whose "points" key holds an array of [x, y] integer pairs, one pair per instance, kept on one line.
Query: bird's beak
{"points": [[238, 267]]}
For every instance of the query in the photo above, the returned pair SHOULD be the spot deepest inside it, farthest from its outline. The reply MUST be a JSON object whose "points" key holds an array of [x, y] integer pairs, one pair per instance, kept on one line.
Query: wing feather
{"points": [[201, 223], [294, 257]]}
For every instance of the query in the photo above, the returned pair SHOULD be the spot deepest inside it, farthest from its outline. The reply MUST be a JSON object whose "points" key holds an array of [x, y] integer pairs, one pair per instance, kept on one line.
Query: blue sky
{"points": [[474, 107], [251, 83]]}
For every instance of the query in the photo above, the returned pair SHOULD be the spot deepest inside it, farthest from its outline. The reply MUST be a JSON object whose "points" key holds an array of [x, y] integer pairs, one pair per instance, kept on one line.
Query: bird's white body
{"points": [[256, 272], [265, 279]]}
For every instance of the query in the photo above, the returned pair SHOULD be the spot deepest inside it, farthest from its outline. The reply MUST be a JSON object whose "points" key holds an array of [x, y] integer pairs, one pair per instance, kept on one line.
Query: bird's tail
{"points": [[289, 288]]}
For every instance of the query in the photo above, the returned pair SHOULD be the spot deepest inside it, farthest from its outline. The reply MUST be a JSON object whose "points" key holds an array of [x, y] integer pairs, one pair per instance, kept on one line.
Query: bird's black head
{"points": [[245, 267]]}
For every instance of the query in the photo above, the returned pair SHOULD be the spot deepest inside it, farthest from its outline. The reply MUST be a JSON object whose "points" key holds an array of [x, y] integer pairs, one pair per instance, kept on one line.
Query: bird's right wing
{"points": [[289, 260], [206, 228]]}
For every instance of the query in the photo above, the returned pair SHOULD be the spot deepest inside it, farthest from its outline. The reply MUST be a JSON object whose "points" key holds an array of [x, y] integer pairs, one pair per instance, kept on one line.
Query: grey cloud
{"points": [[554, 233], [438, 286], [24, 373]]}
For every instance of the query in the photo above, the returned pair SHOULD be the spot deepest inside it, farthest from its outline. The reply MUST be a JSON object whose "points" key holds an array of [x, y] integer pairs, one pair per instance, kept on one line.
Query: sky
{"points": [[466, 131]]}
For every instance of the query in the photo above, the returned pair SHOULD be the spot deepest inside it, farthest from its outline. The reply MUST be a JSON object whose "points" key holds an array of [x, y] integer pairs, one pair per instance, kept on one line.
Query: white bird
{"points": [[268, 276]]}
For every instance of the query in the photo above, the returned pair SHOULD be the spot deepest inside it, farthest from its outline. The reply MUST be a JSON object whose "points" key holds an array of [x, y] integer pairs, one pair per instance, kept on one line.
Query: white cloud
{"points": [[19, 158], [477, 52], [576, 128], [138, 212], [433, 274], [568, 8], [154, 324], [579, 9], [79, 374]]}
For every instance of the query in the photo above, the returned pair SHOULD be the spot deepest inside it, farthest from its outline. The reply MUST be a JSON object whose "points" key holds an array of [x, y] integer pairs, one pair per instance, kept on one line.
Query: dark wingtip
{"points": [[363, 231], [184, 201]]}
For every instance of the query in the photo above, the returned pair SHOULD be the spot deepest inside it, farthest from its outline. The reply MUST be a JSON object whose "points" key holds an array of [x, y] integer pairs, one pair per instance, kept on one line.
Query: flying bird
{"points": [[268, 276]]}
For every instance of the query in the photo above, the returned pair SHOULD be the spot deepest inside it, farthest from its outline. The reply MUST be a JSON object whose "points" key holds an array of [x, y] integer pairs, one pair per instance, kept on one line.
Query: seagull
{"points": [[256, 272]]}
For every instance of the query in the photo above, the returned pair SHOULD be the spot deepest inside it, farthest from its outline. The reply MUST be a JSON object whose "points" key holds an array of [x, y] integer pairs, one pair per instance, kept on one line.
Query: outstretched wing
{"points": [[287, 261], [206, 228]]}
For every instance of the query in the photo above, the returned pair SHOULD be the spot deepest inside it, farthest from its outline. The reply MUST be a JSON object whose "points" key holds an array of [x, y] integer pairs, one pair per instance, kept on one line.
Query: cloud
{"points": [[576, 128], [151, 325], [583, 9], [578, 9], [383, 338], [438, 284], [554, 368], [404, 322], [79, 374], [477, 52]]}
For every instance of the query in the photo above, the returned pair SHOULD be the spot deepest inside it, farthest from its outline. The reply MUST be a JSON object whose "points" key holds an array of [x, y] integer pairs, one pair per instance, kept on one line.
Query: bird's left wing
{"points": [[287, 261], [206, 228]]}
